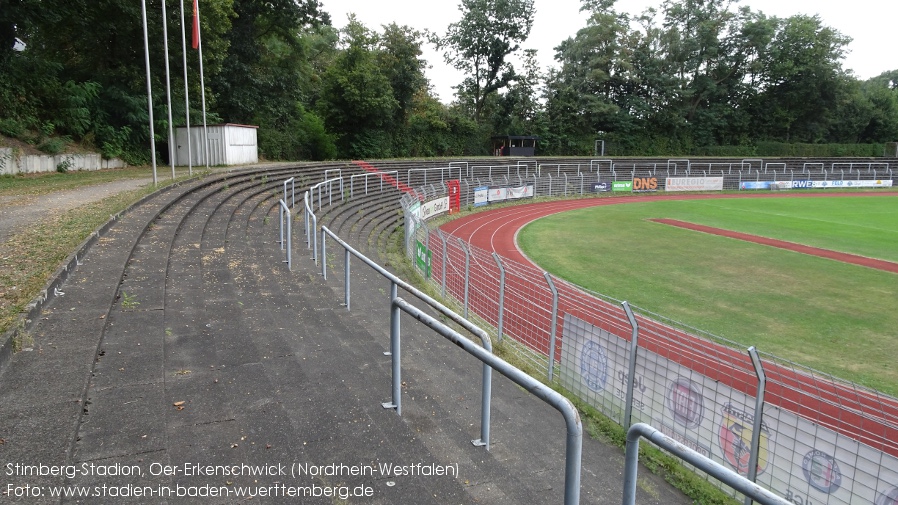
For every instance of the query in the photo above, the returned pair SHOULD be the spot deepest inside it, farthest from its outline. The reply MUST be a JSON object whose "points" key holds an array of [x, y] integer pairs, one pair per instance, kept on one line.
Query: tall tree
{"points": [[480, 43]]}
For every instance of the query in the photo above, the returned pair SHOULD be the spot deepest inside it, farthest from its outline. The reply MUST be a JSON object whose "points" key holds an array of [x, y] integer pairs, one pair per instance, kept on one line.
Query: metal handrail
{"points": [[574, 442], [396, 282], [707, 465]]}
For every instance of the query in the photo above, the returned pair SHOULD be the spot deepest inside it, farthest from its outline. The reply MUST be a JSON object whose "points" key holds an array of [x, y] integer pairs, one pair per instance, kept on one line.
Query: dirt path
{"points": [[17, 212]]}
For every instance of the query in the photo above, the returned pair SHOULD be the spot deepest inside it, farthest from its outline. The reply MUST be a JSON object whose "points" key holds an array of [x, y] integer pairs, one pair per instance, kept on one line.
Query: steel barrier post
{"points": [[554, 324], [323, 255], [758, 420], [307, 211], [281, 225], [395, 353], [501, 295], [631, 373], [346, 280], [315, 238], [467, 272]]}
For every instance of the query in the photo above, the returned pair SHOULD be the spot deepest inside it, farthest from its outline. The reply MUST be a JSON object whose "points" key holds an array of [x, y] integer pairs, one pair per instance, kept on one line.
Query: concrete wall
{"points": [[11, 162]]}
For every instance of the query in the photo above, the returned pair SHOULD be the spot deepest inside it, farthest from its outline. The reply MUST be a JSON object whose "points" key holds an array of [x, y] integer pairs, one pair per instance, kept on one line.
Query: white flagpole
{"points": [[199, 33], [171, 136], [186, 88], [146, 51]]}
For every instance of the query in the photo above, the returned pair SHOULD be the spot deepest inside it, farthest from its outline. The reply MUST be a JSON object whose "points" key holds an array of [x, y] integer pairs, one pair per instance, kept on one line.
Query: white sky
{"points": [[870, 23]]}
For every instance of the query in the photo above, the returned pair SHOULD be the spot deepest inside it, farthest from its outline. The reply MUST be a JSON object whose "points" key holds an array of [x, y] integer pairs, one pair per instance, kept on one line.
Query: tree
{"points": [[801, 81], [478, 45], [357, 100]]}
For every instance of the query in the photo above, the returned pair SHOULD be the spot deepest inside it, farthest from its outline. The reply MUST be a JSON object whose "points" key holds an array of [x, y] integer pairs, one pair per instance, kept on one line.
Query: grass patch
{"points": [[832, 316], [45, 183], [29, 258]]}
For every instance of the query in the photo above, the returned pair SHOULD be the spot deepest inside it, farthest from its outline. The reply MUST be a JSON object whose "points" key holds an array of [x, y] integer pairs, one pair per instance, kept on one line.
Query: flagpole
{"points": [[146, 51], [186, 88], [171, 136], [199, 37]]}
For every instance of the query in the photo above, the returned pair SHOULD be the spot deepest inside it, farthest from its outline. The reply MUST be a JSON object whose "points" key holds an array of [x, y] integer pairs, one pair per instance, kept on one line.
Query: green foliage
{"points": [[479, 43]]}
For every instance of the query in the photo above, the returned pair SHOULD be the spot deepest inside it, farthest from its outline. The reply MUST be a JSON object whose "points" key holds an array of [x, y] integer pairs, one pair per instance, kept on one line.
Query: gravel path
{"points": [[17, 212]]}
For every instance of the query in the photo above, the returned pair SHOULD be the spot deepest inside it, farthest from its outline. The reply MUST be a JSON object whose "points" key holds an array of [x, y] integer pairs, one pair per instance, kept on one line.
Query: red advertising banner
{"points": [[454, 196]]}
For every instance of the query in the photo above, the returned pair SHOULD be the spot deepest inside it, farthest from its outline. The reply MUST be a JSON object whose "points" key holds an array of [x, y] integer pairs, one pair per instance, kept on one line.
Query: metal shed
{"points": [[229, 144]]}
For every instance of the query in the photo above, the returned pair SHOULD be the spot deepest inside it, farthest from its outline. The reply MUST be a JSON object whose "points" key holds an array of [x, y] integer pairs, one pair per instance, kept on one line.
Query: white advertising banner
{"points": [[882, 183], [694, 184], [434, 208], [498, 194], [801, 460], [481, 196], [520, 192]]}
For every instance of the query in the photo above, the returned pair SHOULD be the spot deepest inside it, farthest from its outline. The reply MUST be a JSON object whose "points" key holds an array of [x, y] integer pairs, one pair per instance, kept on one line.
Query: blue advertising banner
{"points": [[755, 185]]}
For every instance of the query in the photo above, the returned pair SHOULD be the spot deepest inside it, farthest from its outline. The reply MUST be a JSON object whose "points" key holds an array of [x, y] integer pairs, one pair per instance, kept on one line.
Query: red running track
{"points": [[862, 415]]}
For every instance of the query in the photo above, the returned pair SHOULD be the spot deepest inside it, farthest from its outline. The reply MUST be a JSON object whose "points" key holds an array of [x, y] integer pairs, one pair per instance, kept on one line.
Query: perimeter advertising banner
{"points": [[484, 195], [514, 193], [755, 185], [885, 183], [601, 187], [645, 184], [434, 208], [481, 196], [622, 186], [423, 257], [498, 194], [693, 184], [802, 461]]}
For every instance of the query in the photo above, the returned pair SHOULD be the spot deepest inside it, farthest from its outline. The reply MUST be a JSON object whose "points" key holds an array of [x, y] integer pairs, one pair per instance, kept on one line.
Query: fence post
{"points": [[501, 295], [444, 262], [394, 353], [281, 221], [346, 279], [323, 255], [306, 212], [758, 421], [315, 238], [467, 272], [631, 374], [554, 324]]}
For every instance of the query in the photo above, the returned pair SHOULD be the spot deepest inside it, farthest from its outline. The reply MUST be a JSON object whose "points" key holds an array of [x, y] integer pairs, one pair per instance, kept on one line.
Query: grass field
{"points": [[832, 316]]}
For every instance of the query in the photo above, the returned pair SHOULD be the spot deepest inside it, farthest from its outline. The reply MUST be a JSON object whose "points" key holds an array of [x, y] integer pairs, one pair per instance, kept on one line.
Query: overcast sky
{"points": [[870, 23]]}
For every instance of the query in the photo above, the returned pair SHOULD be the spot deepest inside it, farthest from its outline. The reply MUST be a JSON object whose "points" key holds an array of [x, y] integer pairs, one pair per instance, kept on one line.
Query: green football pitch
{"points": [[832, 316]]}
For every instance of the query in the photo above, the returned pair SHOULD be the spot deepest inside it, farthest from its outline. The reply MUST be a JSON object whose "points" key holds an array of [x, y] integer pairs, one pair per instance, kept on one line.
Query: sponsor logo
{"points": [[598, 187], [734, 437], [821, 471], [622, 186], [889, 497], [755, 185], [645, 184], [686, 403], [802, 184], [594, 366], [693, 444]]}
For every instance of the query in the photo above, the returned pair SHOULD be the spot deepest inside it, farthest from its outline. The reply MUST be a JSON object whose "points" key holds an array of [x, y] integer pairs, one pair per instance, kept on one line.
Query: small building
{"points": [[229, 144], [514, 145]]}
